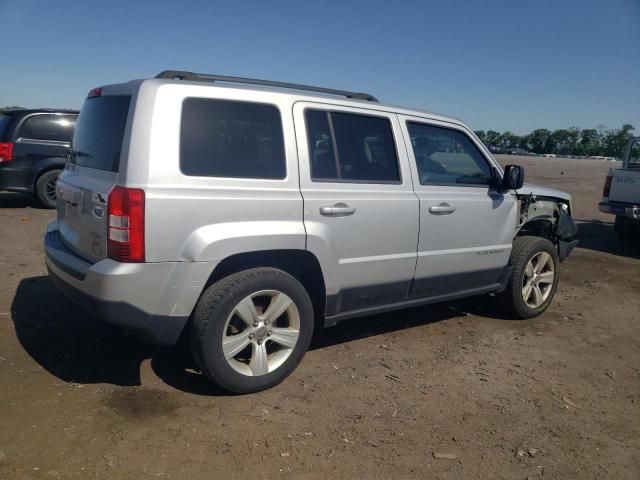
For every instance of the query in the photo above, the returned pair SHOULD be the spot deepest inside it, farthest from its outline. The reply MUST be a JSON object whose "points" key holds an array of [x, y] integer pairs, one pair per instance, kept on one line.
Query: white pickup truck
{"points": [[621, 193]]}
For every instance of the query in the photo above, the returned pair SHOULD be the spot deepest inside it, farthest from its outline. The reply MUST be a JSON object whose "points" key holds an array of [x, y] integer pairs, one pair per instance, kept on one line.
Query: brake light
{"points": [[126, 225], [607, 185], [6, 151], [95, 92]]}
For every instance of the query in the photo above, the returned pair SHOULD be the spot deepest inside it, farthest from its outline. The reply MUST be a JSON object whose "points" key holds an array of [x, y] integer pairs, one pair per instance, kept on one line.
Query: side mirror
{"points": [[513, 178]]}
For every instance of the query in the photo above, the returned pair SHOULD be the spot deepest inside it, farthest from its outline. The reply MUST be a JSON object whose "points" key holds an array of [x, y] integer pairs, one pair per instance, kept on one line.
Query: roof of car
{"points": [[306, 93], [12, 111]]}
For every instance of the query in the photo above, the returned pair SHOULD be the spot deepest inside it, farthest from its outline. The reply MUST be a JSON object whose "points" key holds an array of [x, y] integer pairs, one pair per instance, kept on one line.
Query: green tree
{"points": [[589, 142], [492, 137], [614, 141], [572, 140], [5, 108], [561, 141], [551, 145], [508, 140], [538, 140]]}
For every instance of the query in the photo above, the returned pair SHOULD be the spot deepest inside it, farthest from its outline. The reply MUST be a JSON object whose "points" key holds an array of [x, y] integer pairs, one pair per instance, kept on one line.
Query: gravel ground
{"points": [[447, 391]]}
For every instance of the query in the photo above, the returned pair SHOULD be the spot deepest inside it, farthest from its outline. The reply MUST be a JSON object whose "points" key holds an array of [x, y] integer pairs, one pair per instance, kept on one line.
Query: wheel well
{"points": [[39, 173], [539, 227], [301, 264]]}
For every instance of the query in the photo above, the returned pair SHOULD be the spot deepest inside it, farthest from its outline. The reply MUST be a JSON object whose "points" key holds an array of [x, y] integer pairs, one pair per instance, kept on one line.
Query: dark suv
{"points": [[33, 149]]}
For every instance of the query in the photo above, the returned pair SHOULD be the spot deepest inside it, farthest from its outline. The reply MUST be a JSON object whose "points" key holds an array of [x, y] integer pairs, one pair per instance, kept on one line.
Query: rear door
{"points": [[360, 212], [91, 173], [466, 227]]}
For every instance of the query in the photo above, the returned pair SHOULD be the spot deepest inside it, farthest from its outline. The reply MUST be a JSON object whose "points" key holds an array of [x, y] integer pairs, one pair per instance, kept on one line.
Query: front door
{"points": [[466, 226], [360, 213]]}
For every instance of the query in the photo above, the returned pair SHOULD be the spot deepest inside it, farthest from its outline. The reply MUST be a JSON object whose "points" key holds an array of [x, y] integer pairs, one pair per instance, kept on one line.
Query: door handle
{"points": [[442, 209], [337, 210]]}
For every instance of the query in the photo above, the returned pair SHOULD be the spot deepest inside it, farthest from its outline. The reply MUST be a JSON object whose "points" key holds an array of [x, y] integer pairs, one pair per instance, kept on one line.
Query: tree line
{"points": [[570, 141]]}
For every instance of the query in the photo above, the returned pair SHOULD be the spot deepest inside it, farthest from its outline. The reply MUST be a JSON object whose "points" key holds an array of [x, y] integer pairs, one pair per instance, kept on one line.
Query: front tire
{"points": [[46, 188], [251, 329], [534, 278]]}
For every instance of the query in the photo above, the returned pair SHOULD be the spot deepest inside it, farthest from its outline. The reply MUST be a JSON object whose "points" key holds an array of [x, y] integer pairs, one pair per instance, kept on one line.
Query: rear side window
{"points": [[447, 157], [55, 128], [4, 123], [347, 147], [634, 155], [224, 138], [97, 142]]}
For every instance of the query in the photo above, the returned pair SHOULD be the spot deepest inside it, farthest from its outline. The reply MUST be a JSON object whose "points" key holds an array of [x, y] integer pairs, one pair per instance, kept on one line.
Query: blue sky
{"points": [[505, 65]]}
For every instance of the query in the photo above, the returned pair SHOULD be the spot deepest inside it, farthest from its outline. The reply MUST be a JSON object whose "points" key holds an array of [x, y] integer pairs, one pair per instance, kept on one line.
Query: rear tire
{"points": [[251, 329], [626, 228], [46, 188], [534, 278]]}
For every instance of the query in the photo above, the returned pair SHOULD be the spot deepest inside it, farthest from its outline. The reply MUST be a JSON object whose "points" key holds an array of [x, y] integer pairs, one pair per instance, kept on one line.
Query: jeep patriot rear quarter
{"points": [[250, 211]]}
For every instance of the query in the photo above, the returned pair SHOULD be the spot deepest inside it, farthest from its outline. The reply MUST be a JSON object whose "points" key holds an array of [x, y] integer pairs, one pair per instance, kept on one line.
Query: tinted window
{"points": [[58, 128], [4, 123], [446, 157], [347, 147], [98, 139], [222, 138], [634, 157]]}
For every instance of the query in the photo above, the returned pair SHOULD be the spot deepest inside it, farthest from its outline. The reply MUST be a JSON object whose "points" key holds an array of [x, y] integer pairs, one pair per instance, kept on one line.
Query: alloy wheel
{"points": [[537, 282], [50, 189], [261, 332]]}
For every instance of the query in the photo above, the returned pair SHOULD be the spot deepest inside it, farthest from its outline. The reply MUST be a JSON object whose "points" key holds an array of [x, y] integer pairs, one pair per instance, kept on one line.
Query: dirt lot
{"points": [[380, 397]]}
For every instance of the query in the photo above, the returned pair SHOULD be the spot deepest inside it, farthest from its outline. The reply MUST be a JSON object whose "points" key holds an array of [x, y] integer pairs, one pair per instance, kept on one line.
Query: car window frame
{"points": [[494, 169], [627, 163], [382, 115], [252, 179], [23, 120]]}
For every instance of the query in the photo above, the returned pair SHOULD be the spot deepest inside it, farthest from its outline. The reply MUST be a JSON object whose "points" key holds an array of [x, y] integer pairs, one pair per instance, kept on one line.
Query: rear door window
{"points": [[54, 128], [224, 138], [348, 147], [97, 142]]}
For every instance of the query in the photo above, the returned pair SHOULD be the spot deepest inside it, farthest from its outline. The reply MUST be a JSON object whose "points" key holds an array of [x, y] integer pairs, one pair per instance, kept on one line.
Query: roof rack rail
{"points": [[203, 77]]}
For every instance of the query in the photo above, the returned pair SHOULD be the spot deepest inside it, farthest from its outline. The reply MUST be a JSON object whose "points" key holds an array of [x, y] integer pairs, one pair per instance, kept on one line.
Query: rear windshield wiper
{"points": [[79, 153]]}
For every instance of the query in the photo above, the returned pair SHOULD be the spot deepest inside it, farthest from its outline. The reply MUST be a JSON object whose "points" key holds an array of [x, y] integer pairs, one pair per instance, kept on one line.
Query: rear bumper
{"points": [[154, 300], [619, 208], [14, 179]]}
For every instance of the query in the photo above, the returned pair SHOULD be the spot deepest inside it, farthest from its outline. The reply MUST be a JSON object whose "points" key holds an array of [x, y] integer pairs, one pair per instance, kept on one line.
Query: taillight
{"points": [[126, 224], [95, 92], [6, 151], [607, 186]]}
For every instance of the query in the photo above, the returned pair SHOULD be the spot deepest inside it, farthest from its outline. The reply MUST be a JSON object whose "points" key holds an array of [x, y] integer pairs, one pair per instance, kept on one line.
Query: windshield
{"points": [[97, 141]]}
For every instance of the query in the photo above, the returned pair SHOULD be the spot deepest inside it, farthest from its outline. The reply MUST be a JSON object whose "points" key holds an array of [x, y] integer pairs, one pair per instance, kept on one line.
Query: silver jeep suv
{"points": [[251, 211]]}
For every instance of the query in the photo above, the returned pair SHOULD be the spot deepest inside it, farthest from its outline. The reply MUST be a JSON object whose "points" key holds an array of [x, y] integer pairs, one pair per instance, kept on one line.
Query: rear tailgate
{"points": [[91, 173], [625, 186]]}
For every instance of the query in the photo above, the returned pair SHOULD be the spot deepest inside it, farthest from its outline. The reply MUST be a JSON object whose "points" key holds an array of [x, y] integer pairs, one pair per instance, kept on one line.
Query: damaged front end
{"points": [[547, 214]]}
